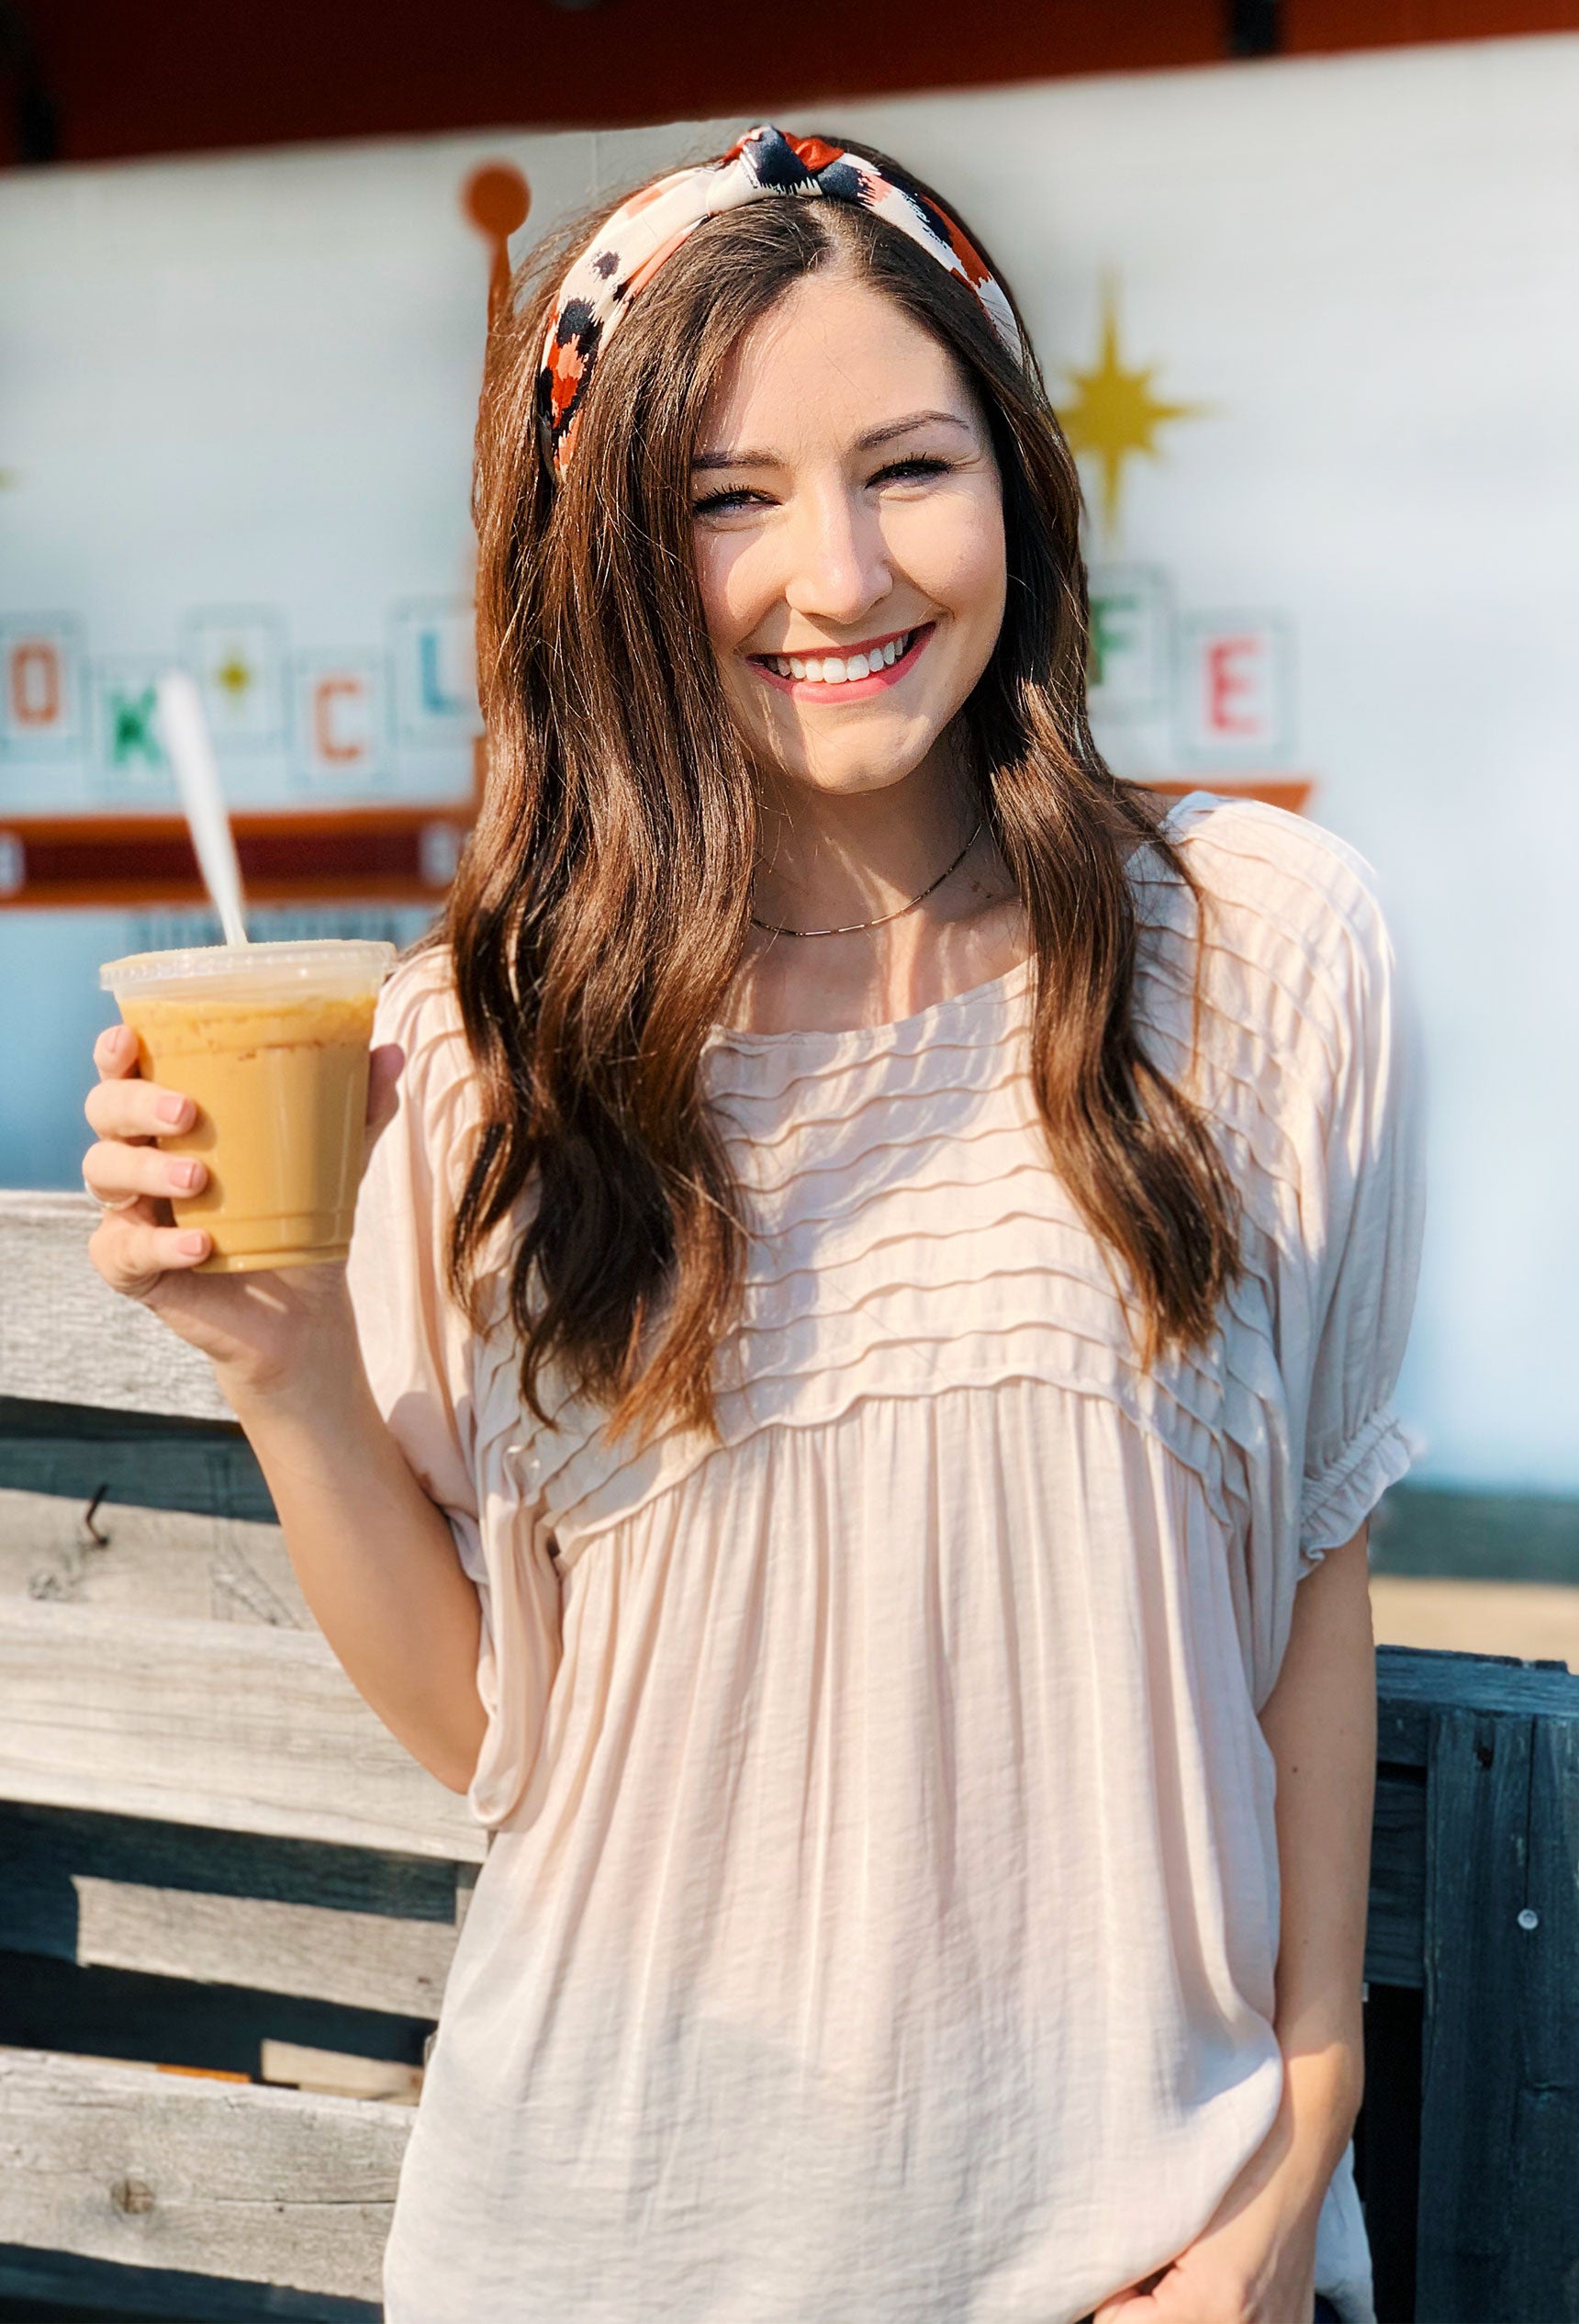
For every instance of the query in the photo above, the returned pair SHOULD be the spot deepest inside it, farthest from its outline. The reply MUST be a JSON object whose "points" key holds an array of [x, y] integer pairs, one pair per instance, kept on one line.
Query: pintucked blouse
{"points": [[881, 1907]]}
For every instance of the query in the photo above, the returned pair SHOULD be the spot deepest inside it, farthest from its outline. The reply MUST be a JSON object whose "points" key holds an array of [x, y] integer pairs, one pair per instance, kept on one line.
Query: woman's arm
{"points": [[1255, 2258], [376, 1558], [1320, 1724]]}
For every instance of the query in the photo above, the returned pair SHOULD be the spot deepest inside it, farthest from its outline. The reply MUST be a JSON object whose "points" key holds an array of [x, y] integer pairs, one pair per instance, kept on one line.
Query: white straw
{"points": [[184, 735]]}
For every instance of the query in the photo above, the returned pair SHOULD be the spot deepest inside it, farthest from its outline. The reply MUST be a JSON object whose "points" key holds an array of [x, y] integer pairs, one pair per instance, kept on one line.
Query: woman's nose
{"points": [[838, 562]]}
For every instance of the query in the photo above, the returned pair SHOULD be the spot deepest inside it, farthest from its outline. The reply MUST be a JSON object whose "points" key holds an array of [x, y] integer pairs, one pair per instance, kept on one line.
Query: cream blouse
{"points": [[880, 1914]]}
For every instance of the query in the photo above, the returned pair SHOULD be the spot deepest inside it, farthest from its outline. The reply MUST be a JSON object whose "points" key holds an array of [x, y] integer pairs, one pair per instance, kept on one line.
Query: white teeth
{"points": [[833, 670]]}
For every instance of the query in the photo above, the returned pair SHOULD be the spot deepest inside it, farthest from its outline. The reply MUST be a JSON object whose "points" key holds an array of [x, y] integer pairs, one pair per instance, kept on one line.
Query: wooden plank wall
{"points": [[216, 1860]]}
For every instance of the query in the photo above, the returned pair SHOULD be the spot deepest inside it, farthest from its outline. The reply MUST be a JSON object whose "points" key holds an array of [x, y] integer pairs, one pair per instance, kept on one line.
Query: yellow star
{"points": [[234, 677], [1115, 413]]}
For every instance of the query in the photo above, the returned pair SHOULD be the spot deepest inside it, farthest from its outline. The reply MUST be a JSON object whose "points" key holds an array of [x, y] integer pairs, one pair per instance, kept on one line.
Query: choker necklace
{"points": [[856, 926]]}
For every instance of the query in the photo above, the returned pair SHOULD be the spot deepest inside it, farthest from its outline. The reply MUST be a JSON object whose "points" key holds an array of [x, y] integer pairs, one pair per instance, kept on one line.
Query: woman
{"points": [[883, 1282]]}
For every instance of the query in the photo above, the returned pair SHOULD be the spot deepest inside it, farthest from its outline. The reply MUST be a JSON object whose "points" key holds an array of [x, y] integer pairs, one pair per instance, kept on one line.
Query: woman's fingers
{"points": [[113, 1170], [114, 1051], [132, 1252], [134, 1244], [133, 1108], [125, 1105]]}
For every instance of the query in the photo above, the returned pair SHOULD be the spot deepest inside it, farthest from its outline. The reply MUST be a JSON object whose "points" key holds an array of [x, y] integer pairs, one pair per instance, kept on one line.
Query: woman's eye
{"points": [[924, 465], [715, 502], [740, 495]]}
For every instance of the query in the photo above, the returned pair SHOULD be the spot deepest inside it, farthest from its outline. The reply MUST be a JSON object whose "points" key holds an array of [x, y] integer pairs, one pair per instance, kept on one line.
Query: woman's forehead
{"points": [[835, 354]]}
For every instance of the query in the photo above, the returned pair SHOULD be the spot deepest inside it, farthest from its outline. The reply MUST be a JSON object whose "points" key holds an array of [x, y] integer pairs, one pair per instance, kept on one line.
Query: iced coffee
{"points": [[271, 1043]]}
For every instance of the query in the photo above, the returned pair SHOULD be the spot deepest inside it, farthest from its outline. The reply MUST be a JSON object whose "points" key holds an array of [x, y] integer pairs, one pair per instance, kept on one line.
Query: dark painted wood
{"points": [[78, 1449], [1387, 2144], [1395, 1932], [168, 2021], [1473, 2215], [1414, 1682], [52, 2287], [1543, 2279], [41, 1848]]}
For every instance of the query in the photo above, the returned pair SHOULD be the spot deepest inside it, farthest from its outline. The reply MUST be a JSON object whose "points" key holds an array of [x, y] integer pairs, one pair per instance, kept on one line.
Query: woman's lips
{"points": [[851, 689]]}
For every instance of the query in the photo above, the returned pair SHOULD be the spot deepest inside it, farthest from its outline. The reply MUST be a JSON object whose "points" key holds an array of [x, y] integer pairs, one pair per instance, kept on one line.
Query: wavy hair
{"points": [[600, 910]]}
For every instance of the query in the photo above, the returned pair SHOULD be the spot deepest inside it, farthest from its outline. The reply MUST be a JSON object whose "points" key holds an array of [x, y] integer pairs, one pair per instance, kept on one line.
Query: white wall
{"points": [[251, 381]]}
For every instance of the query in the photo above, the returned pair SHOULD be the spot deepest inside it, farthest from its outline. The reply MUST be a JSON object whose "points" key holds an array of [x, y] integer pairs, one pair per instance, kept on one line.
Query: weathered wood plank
{"points": [[250, 1729], [363, 1959], [147, 1561], [267, 2185], [48, 2281], [1472, 2219], [45, 1849], [76, 1451], [1544, 2004], [1387, 2143], [121, 2014], [336, 2073], [1414, 1682], [1395, 1930], [67, 1337]]}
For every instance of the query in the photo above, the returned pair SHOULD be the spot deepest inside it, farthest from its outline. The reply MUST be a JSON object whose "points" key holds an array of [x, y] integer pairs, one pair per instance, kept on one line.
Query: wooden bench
{"points": [[228, 1899]]}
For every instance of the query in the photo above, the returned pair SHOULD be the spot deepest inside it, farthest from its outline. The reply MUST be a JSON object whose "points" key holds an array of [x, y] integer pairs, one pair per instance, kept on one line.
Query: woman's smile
{"points": [[869, 668]]}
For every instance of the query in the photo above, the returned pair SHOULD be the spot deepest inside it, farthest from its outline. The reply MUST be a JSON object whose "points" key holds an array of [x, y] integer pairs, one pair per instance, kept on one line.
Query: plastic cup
{"points": [[271, 1043]]}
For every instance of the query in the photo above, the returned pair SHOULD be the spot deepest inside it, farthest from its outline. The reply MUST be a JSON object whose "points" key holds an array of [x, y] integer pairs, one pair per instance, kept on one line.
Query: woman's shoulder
{"points": [[1286, 904], [1254, 855]]}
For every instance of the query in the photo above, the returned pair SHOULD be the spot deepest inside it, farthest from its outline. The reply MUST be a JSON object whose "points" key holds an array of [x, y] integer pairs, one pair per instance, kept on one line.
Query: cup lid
{"points": [[353, 960]]}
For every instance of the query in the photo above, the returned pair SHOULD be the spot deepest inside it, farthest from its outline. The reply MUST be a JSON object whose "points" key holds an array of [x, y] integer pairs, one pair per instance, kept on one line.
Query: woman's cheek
{"points": [[731, 592], [955, 556]]}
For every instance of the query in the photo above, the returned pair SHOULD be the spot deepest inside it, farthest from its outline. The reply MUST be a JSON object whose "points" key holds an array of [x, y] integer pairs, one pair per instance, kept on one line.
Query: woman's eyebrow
{"points": [[885, 435]]}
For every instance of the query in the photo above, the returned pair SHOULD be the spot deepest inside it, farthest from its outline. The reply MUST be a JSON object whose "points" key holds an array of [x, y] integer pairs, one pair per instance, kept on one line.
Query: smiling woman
{"points": [[855, 369], [890, 1260]]}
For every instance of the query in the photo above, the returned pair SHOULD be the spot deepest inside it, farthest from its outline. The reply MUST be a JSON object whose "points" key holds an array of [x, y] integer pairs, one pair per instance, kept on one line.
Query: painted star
{"points": [[1115, 413]]}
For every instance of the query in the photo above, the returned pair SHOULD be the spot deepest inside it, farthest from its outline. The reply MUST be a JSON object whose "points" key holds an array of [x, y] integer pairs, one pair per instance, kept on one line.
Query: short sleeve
{"points": [[1364, 1209], [421, 1355]]}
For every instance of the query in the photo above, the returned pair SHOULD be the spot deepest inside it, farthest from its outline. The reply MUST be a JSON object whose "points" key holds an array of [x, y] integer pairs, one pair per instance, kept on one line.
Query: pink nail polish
{"points": [[172, 1110], [184, 1174], [194, 1246]]}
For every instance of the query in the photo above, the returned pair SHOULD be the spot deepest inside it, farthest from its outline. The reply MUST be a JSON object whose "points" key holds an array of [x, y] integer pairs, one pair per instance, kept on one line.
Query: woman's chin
{"points": [[871, 762]]}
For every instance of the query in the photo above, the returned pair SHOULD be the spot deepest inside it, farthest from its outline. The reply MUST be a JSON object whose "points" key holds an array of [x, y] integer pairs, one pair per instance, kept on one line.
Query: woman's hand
{"points": [[1254, 2261], [259, 1329]]}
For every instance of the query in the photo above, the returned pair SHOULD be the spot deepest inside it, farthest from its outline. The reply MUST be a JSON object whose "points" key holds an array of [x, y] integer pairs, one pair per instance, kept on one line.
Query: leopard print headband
{"points": [[634, 244]]}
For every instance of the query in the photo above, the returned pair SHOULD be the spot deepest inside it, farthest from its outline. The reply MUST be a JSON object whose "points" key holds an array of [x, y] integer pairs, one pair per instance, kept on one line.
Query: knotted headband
{"points": [[633, 243]]}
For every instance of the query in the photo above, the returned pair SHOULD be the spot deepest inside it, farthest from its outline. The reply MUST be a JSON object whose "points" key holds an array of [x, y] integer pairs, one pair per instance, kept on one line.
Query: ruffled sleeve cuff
{"points": [[1341, 1495]]}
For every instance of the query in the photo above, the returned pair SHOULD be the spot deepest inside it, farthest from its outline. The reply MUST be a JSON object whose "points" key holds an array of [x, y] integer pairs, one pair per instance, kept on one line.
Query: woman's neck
{"points": [[830, 859], [840, 860]]}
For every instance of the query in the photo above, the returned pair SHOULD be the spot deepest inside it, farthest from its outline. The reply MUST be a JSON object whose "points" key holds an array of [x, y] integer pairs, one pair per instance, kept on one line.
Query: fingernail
{"points": [[172, 1110], [193, 1246], [185, 1173]]}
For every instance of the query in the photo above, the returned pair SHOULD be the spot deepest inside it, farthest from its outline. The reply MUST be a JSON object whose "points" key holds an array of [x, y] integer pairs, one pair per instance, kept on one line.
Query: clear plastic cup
{"points": [[271, 1043]]}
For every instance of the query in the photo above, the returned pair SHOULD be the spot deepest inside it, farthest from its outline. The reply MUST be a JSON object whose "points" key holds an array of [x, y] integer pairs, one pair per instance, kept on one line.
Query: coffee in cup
{"points": [[271, 1042]]}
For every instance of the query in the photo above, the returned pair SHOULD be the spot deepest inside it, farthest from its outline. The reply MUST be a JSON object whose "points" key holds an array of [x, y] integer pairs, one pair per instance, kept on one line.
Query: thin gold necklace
{"points": [[856, 926]]}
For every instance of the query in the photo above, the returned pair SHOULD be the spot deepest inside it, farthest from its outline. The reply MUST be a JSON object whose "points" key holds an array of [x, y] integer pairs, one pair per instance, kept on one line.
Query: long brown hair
{"points": [[601, 908]]}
